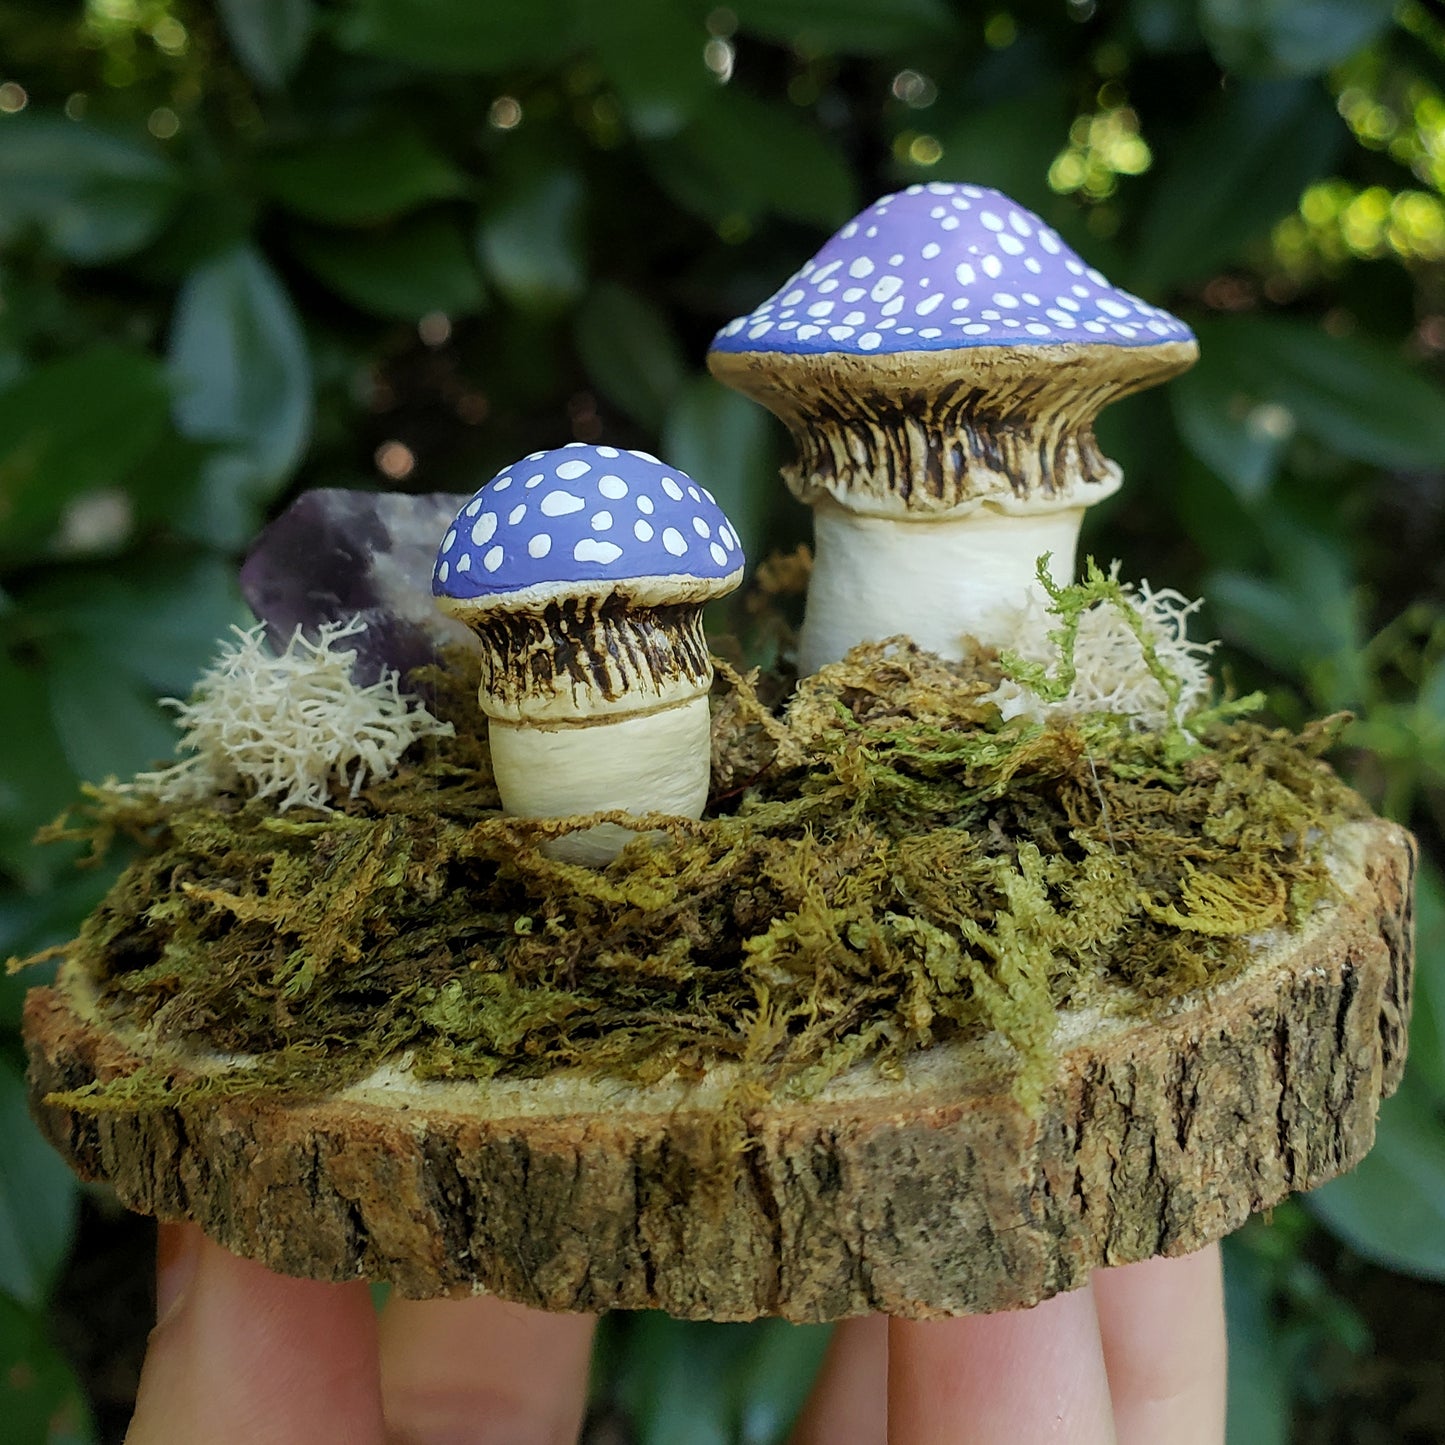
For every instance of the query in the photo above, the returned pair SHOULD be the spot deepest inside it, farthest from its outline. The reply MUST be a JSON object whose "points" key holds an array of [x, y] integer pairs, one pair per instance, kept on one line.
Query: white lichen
{"points": [[1111, 671], [293, 726]]}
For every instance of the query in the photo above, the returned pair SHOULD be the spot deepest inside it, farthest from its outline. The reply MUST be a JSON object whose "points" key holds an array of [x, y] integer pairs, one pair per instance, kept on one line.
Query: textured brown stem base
{"points": [[934, 1194]]}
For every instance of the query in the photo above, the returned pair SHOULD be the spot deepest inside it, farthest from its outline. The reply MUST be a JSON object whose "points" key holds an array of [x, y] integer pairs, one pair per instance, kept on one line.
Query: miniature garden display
{"points": [[515, 942]]}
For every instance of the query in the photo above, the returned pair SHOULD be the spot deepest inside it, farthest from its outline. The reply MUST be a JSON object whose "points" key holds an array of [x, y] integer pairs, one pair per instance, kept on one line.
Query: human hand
{"points": [[242, 1356]]}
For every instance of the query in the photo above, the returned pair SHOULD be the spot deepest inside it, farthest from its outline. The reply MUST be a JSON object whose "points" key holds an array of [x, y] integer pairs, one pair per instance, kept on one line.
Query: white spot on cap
{"points": [[886, 288], [589, 549], [672, 489], [444, 571], [761, 329], [501, 484], [473, 507], [645, 457], [793, 297], [642, 530], [516, 514], [540, 545], [1037, 328], [1011, 244], [450, 540], [644, 504], [700, 527], [992, 267], [840, 333], [1112, 307], [718, 555], [869, 341], [493, 559], [861, 267], [975, 328], [483, 528], [559, 504], [990, 219], [854, 293], [929, 304], [931, 250], [820, 308], [1050, 242], [1003, 298], [674, 541], [823, 272], [964, 273], [854, 318], [612, 487], [608, 452], [601, 521], [464, 562], [534, 481]]}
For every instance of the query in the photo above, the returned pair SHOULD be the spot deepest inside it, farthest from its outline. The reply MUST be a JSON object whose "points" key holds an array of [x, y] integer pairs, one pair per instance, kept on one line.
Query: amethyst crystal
{"points": [[334, 554]]}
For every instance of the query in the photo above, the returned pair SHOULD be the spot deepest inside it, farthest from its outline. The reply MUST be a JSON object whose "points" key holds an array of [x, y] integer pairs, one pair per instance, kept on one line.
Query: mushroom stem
{"points": [[937, 579], [650, 762]]}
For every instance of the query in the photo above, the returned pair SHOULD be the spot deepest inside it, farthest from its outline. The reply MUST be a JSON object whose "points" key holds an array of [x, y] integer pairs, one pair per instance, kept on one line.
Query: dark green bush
{"points": [[270, 244]]}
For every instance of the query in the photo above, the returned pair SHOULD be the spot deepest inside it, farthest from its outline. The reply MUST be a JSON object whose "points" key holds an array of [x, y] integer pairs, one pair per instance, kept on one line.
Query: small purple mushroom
{"points": [[584, 572], [941, 360]]}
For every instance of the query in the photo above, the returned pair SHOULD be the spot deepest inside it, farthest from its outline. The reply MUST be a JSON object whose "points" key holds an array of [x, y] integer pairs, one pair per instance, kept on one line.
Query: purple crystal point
{"points": [[944, 266], [334, 554]]}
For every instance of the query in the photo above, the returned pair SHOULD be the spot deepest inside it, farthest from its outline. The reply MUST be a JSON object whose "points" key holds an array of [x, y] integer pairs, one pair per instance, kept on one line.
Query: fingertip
{"points": [[243, 1354]]}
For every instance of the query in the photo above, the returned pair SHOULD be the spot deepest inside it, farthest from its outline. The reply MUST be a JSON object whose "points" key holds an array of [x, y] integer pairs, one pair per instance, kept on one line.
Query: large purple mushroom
{"points": [[584, 572], [942, 360]]}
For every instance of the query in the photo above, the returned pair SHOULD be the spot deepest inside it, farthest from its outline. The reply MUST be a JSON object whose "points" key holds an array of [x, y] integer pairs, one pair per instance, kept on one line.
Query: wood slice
{"points": [[933, 1194]]}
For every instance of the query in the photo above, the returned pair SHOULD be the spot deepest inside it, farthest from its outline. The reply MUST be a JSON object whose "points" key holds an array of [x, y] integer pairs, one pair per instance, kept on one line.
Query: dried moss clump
{"points": [[887, 862]]}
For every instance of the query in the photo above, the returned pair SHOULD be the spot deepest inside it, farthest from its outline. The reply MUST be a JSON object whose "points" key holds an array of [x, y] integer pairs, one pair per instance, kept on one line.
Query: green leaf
{"points": [[1009, 145], [1427, 1023], [1259, 1412], [108, 725], [70, 427], [530, 240], [42, 918], [461, 37], [652, 53], [1241, 438], [242, 374], [858, 27], [40, 1401], [95, 194], [691, 1383], [1240, 168], [162, 613], [37, 1199], [1289, 37], [630, 353], [1391, 1209], [362, 178], [742, 157], [1359, 398], [35, 782], [269, 36], [728, 444], [402, 272]]}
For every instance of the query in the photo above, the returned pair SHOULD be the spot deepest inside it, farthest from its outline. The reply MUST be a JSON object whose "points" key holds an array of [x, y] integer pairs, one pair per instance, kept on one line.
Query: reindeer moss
{"points": [[886, 864]]}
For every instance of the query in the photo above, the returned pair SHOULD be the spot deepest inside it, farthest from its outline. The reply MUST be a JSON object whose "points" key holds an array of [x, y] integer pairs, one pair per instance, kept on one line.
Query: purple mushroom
{"points": [[584, 572], [941, 360]]}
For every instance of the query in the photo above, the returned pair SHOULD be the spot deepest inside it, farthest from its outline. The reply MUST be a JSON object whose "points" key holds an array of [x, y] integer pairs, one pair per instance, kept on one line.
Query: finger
{"points": [[482, 1372], [848, 1404], [242, 1356], [1162, 1324], [1027, 1375]]}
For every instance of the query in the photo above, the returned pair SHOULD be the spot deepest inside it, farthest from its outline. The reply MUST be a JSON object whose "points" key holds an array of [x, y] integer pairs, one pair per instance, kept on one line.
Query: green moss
{"points": [[887, 865]]}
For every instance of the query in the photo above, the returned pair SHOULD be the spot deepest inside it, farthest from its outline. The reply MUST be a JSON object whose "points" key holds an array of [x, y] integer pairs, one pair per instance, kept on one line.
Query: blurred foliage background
{"points": [[260, 245]]}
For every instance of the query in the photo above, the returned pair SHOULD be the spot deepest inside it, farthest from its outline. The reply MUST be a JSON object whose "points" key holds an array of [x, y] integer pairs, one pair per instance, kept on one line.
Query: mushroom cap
{"points": [[586, 522], [943, 266]]}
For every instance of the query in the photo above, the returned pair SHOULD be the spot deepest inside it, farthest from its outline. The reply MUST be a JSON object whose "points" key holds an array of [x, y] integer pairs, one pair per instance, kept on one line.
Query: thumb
{"points": [[244, 1355]]}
